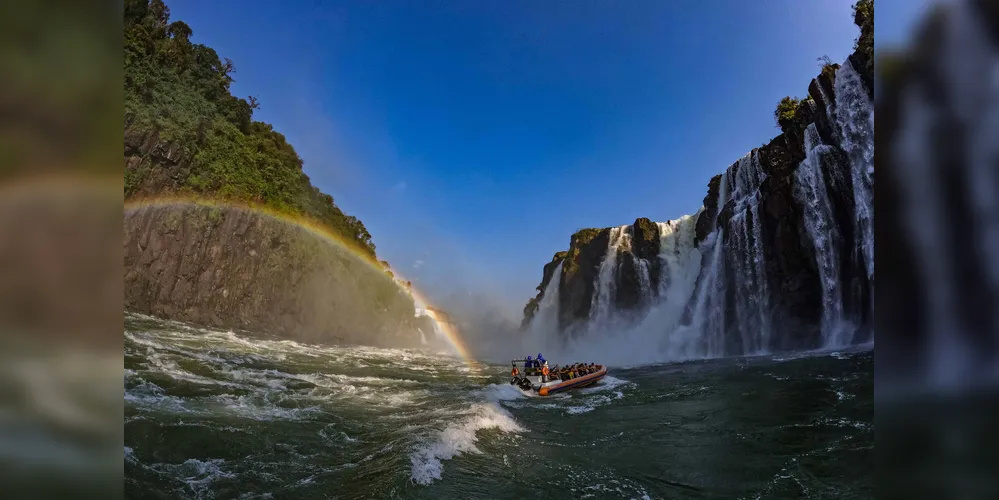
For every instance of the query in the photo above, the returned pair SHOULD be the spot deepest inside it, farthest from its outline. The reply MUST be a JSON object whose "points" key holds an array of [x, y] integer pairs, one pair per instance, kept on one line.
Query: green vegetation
{"points": [[828, 68], [789, 114], [579, 239], [863, 17], [584, 236], [180, 91]]}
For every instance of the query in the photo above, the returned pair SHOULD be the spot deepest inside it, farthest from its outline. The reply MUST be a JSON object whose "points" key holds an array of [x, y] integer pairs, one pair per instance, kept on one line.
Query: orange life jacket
{"points": [[544, 371], [513, 373]]}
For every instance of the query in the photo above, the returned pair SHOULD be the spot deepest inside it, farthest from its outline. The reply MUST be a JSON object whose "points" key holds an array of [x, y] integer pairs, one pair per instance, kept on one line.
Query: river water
{"points": [[215, 414]]}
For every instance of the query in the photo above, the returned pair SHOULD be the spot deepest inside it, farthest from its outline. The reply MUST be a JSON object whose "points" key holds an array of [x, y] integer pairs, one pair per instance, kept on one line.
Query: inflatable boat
{"points": [[530, 378]]}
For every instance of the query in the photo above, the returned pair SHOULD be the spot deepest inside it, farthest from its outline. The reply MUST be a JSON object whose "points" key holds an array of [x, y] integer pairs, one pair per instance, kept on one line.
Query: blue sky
{"points": [[473, 138]]}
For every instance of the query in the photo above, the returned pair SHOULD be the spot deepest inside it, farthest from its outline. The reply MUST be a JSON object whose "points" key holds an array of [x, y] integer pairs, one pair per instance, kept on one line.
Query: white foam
{"points": [[458, 438], [505, 392], [197, 474], [606, 383]]}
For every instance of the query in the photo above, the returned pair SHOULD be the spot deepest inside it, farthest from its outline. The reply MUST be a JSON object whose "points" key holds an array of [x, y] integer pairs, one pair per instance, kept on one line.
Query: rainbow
{"points": [[317, 230]]}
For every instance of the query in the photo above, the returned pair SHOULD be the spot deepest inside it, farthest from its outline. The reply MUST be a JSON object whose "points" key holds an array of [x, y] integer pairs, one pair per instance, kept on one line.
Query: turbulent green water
{"points": [[213, 414]]}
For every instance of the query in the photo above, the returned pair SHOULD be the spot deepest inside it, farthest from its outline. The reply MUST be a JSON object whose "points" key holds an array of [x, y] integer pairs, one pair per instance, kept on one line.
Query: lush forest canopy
{"points": [[180, 91]]}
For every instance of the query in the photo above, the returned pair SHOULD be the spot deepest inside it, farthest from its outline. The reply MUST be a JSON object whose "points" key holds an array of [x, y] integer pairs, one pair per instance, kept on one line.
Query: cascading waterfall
{"points": [[704, 336], [718, 298], [680, 263], [855, 132], [736, 247], [752, 294], [546, 318], [644, 281], [810, 190], [602, 307], [679, 259]]}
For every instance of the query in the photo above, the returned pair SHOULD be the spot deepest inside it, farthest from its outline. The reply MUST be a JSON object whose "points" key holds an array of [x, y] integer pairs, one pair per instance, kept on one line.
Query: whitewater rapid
{"points": [[364, 407], [218, 414]]}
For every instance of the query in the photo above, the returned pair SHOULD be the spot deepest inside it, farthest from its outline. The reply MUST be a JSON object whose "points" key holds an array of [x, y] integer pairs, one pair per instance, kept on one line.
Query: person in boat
{"points": [[544, 372]]}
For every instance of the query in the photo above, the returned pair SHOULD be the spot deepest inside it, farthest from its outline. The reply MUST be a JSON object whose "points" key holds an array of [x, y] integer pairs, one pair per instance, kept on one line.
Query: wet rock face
{"points": [[547, 274], [706, 221], [633, 289], [645, 239], [587, 249], [227, 268]]}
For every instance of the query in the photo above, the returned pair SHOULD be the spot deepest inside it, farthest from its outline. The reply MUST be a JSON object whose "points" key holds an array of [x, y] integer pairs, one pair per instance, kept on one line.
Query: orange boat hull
{"points": [[575, 383]]}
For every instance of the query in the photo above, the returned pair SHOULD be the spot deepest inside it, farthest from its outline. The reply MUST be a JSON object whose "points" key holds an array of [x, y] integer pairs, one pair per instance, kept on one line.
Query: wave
{"points": [[459, 438]]}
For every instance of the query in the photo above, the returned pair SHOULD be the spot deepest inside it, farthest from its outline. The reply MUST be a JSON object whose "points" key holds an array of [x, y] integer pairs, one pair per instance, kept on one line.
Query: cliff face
{"points": [[229, 268], [786, 218], [635, 255], [546, 276], [587, 248], [185, 135]]}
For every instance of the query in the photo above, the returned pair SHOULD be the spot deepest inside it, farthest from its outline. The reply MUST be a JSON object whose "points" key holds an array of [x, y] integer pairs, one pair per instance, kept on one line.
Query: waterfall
{"points": [[720, 297], [423, 338], [705, 335], [679, 258], [680, 264], [546, 318], [746, 258], [602, 305], [644, 281], [855, 132], [810, 190]]}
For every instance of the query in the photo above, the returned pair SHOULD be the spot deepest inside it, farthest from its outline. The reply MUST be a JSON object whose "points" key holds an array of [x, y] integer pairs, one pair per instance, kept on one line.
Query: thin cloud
{"points": [[399, 187], [418, 264]]}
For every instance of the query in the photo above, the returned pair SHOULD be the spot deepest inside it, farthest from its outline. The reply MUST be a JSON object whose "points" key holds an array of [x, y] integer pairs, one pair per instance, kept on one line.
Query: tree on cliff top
{"points": [[787, 113], [179, 91], [863, 17]]}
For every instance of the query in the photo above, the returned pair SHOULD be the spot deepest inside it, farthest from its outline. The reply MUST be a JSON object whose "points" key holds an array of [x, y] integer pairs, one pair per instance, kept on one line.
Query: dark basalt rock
{"points": [[706, 220], [644, 246], [645, 239], [547, 274], [587, 249], [628, 293], [219, 267], [821, 90]]}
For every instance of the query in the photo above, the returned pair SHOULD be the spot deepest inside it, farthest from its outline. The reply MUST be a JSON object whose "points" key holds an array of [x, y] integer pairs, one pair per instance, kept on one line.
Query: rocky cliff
{"points": [[187, 137], [231, 268], [785, 234]]}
